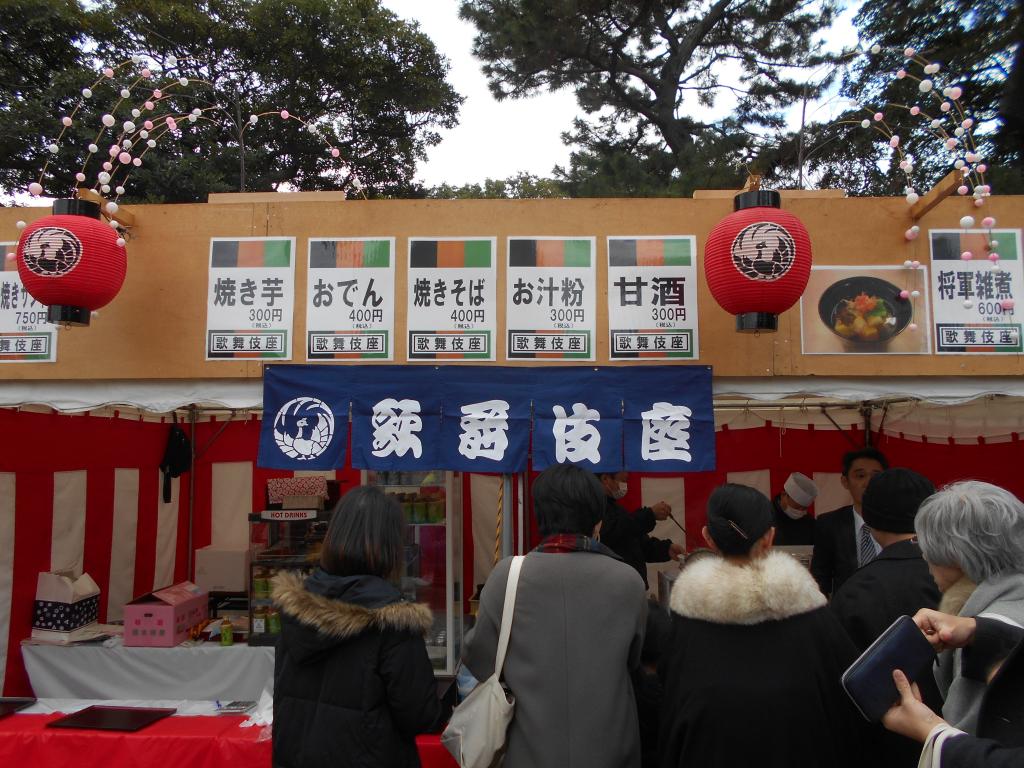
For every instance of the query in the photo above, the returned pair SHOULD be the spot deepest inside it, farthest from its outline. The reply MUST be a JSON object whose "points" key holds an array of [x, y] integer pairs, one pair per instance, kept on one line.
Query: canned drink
{"points": [[227, 635]]}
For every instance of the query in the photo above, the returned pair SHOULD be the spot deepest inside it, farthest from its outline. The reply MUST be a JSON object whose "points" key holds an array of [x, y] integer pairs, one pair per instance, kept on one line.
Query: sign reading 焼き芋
{"points": [[551, 291], [350, 304], [250, 298], [452, 313], [26, 336], [973, 299], [652, 298]]}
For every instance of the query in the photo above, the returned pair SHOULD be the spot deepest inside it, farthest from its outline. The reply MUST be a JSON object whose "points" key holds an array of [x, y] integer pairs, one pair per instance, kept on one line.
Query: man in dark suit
{"points": [[895, 583], [841, 542]]}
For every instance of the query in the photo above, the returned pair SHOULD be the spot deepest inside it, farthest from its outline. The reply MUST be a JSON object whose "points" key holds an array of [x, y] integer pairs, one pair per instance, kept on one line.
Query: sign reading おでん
{"points": [[652, 298], [350, 303], [26, 336], [250, 298], [452, 313], [973, 299], [551, 290]]}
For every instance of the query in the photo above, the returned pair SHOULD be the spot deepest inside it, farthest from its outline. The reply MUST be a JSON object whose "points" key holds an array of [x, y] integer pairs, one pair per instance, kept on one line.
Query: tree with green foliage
{"points": [[42, 71], [647, 73], [363, 81], [522, 186], [973, 41]]}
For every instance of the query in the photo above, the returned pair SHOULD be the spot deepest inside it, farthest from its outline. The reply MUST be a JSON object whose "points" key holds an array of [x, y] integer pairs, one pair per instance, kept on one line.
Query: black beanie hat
{"points": [[892, 499]]}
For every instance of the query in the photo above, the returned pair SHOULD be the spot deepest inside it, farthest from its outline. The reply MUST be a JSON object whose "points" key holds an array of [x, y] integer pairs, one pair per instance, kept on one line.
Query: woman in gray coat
{"points": [[576, 636], [976, 530]]}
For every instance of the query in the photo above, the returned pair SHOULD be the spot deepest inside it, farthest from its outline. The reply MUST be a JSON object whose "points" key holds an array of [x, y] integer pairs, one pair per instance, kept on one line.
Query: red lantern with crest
{"points": [[71, 261], [757, 260]]}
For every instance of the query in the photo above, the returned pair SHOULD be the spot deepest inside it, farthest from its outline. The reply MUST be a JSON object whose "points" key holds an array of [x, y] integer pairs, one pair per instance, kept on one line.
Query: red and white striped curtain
{"points": [[85, 492]]}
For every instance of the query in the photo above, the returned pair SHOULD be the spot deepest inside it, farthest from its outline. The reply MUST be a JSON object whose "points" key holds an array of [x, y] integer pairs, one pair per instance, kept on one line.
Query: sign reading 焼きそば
{"points": [[26, 336], [973, 299], [451, 299], [652, 297], [551, 291], [350, 303], [250, 299]]}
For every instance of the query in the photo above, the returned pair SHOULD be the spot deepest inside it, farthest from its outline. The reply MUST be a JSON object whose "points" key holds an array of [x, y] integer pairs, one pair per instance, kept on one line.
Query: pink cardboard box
{"points": [[163, 618]]}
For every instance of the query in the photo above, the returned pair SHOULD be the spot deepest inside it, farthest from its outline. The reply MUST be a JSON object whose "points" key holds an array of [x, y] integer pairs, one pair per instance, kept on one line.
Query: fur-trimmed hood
{"points": [[770, 588], [340, 620]]}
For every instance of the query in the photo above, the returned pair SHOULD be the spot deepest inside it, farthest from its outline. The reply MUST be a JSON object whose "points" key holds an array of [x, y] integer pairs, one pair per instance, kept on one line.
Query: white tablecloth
{"points": [[207, 671]]}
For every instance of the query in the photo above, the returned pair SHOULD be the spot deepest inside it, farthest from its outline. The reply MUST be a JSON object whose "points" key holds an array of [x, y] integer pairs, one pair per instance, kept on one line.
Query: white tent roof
{"points": [[945, 390], [161, 396], [959, 407]]}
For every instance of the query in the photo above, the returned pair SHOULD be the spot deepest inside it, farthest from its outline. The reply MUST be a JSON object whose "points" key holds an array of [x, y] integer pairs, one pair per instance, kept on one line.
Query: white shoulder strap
{"points": [[507, 612]]}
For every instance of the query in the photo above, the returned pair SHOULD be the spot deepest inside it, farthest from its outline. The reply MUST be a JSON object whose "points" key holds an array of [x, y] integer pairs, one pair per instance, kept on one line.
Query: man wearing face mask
{"points": [[793, 526], [628, 534]]}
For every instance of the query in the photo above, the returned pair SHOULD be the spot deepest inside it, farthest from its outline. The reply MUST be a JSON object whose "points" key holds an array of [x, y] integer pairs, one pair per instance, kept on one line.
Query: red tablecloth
{"points": [[194, 742]]}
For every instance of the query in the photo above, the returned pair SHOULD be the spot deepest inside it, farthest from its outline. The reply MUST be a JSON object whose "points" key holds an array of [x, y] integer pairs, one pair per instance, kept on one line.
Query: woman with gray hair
{"points": [[974, 530]]}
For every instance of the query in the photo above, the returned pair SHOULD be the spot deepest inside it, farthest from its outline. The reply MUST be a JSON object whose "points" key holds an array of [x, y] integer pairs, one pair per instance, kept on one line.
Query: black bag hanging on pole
{"points": [[177, 457]]}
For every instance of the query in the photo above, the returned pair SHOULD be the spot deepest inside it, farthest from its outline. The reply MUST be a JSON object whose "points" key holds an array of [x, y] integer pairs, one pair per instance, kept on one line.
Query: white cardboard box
{"points": [[222, 570]]}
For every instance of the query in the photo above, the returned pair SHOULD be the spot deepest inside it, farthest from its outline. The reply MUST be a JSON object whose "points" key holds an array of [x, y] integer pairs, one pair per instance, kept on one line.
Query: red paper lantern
{"points": [[757, 261], [71, 261]]}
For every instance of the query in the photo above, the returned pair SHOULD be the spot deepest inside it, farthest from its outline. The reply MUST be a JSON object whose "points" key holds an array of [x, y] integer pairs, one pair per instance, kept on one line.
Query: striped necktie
{"points": [[866, 552]]}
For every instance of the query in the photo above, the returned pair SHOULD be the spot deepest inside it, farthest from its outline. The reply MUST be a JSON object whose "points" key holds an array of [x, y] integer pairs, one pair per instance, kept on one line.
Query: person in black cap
{"points": [[895, 583], [751, 671]]}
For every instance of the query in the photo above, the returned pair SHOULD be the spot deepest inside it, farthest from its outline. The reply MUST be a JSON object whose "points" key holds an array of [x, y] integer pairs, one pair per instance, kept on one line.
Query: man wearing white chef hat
{"points": [[792, 523]]}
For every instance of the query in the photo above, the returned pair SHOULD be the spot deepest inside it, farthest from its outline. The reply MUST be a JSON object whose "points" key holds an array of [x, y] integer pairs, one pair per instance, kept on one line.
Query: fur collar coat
{"points": [[751, 673], [369, 607], [770, 588]]}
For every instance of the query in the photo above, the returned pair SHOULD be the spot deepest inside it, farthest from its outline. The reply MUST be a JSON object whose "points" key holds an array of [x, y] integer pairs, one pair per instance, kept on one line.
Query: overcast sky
{"points": [[493, 139], [498, 139]]}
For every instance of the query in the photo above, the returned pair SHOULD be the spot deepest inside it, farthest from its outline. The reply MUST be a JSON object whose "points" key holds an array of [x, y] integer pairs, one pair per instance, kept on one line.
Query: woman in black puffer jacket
{"points": [[352, 683]]}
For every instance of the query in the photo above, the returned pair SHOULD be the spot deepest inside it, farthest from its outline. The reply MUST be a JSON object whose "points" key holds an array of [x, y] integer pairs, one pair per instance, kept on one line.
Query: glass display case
{"points": [[279, 539], [432, 507]]}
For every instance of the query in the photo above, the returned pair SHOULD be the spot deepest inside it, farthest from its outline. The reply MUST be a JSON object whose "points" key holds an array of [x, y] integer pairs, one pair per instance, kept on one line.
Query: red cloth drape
{"points": [[196, 742]]}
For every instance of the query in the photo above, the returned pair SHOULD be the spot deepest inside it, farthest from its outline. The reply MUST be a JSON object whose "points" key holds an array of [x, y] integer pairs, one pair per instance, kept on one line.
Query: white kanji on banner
{"points": [[666, 433], [395, 423], [484, 426], [576, 439]]}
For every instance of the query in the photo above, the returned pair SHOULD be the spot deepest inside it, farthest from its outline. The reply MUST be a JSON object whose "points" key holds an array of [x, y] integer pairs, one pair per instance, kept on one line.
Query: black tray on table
{"points": [[105, 718], [11, 704]]}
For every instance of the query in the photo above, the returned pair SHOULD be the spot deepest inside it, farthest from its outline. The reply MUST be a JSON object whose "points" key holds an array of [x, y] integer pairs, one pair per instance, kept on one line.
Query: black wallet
{"points": [[869, 681]]}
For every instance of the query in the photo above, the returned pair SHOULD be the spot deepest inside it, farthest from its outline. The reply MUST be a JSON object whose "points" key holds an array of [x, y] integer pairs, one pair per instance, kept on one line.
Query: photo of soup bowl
{"points": [[868, 332]]}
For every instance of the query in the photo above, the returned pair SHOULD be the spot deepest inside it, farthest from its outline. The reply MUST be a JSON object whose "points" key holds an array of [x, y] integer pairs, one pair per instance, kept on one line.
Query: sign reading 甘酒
{"points": [[25, 334], [350, 299], [250, 299], [652, 297], [550, 290]]}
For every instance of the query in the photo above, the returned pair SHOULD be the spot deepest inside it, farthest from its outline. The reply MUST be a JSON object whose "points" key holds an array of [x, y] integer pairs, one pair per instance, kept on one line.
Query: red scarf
{"points": [[573, 542]]}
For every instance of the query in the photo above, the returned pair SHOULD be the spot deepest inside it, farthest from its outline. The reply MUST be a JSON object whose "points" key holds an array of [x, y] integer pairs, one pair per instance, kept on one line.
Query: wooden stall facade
{"points": [[154, 329]]}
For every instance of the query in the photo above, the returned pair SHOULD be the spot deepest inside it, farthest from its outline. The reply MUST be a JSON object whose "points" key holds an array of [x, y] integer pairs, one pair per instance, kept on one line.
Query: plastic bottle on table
{"points": [[227, 635]]}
